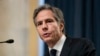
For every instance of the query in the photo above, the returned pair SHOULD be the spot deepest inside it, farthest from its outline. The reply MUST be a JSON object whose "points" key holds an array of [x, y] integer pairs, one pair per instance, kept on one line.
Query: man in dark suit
{"points": [[49, 23]]}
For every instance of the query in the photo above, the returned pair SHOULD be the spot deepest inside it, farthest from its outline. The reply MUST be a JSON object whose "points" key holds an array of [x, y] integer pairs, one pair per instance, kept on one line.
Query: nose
{"points": [[44, 26]]}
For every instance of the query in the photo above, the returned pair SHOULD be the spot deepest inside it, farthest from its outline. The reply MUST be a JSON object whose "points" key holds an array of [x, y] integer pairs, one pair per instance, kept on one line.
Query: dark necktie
{"points": [[53, 52]]}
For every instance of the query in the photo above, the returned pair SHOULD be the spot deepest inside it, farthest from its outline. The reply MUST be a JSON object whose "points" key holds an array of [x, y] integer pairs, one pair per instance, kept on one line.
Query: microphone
{"points": [[8, 41]]}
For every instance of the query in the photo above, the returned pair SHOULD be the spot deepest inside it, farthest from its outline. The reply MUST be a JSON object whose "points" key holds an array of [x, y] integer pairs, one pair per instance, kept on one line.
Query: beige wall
{"points": [[16, 23]]}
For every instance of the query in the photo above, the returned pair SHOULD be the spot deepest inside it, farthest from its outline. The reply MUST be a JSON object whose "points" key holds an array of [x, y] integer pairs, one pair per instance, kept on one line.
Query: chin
{"points": [[47, 40]]}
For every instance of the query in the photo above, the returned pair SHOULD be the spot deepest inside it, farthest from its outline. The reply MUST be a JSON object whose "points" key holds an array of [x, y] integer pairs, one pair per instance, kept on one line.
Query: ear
{"points": [[61, 26]]}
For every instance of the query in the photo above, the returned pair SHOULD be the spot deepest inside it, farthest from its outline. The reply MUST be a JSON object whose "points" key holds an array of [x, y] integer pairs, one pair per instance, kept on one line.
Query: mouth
{"points": [[46, 34]]}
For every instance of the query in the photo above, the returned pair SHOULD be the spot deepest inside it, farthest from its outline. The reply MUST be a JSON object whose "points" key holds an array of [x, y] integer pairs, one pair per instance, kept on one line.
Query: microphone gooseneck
{"points": [[8, 41]]}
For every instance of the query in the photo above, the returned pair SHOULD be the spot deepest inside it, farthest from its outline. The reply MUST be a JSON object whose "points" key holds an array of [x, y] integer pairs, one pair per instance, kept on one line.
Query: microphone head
{"points": [[10, 41]]}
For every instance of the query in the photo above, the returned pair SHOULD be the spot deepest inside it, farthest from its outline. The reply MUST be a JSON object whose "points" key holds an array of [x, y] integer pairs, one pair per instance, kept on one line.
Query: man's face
{"points": [[48, 28]]}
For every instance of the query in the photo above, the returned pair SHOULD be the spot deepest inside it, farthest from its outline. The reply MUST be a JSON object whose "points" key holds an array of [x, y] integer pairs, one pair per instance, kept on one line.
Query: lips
{"points": [[46, 34]]}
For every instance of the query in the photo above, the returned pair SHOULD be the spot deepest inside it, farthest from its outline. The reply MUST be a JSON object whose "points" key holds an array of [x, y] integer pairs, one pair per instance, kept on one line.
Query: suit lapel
{"points": [[66, 49]]}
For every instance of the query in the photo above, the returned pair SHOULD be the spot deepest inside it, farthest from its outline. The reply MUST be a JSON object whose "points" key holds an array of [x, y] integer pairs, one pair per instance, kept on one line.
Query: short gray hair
{"points": [[58, 15]]}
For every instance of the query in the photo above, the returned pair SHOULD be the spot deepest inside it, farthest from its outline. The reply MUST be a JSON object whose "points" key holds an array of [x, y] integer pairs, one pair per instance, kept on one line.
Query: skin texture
{"points": [[48, 28]]}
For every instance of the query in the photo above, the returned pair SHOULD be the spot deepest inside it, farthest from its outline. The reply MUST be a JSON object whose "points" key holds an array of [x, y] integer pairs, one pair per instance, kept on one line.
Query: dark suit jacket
{"points": [[77, 47]]}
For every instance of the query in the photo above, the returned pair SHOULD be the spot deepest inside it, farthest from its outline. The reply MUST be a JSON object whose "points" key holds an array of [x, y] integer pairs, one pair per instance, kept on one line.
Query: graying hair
{"points": [[58, 15]]}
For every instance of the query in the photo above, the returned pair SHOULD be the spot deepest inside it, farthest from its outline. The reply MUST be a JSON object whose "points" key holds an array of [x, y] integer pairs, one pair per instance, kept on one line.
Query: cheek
{"points": [[55, 33], [39, 31], [54, 28]]}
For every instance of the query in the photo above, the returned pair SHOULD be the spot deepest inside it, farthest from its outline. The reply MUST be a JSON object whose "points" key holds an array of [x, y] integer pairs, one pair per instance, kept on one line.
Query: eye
{"points": [[39, 23], [49, 20]]}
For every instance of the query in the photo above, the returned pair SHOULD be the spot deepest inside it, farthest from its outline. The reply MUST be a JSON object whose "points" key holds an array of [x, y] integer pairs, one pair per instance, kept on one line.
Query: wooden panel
{"points": [[33, 39]]}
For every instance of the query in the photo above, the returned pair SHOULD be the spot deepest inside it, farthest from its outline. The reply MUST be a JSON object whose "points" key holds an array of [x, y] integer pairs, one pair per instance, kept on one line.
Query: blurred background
{"points": [[16, 23], [82, 20]]}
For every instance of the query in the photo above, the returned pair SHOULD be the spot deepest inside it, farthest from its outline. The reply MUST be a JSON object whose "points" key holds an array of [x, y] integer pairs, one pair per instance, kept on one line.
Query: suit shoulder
{"points": [[81, 46], [84, 40], [80, 41]]}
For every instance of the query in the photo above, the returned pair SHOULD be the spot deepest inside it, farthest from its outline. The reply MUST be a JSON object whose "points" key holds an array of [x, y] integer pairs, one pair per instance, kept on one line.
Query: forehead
{"points": [[44, 14]]}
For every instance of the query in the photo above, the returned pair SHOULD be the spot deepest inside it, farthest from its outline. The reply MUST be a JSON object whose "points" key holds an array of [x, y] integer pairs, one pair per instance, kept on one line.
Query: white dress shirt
{"points": [[59, 45]]}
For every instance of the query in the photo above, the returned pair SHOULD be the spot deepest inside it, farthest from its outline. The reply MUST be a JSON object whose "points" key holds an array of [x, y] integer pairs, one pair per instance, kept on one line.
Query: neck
{"points": [[51, 44]]}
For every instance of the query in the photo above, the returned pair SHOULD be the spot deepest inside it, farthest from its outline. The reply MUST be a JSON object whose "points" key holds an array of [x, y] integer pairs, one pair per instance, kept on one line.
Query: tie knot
{"points": [[53, 52]]}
